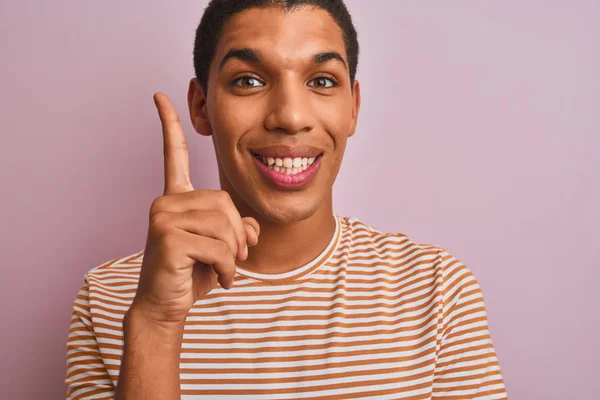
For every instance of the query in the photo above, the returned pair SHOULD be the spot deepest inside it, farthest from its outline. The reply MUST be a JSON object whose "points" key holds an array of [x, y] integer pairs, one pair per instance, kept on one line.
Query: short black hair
{"points": [[218, 13]]}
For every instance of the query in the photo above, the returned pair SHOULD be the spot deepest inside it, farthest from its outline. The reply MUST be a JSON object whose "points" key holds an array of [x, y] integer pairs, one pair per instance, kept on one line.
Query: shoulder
{"points": [[118, 275], [397, 248], [364, 238], [107, 291], [120, 264]]}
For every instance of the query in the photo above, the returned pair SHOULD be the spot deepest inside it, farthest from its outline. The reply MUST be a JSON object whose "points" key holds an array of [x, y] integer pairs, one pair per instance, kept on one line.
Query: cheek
{"points": [[337, 123], [337, 126], [230, 120], [338, 112]]}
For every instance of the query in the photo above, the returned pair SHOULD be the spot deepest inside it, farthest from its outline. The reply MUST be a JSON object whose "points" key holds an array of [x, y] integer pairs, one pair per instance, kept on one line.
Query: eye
{"points": [[247, 79], [322, 81], [252, 82]]}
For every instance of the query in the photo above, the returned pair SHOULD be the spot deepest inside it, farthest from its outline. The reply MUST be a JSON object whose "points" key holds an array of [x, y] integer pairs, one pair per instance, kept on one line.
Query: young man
{"points": [[260, 291]]}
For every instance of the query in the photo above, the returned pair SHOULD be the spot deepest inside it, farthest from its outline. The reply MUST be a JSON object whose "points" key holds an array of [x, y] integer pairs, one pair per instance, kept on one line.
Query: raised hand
{"points": [[194, 236]]}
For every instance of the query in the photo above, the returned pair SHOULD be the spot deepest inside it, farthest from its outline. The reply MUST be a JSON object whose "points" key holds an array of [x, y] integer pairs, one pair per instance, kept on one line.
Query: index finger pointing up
{"points": [[177, 161]]}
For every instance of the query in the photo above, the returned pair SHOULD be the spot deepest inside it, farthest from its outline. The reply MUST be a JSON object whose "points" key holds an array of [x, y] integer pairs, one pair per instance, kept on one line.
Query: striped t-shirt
{"points": [[374, 316]]}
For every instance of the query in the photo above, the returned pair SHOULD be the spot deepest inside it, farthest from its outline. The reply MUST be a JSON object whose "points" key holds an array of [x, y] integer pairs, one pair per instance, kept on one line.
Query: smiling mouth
{"points": [[287, 165]]}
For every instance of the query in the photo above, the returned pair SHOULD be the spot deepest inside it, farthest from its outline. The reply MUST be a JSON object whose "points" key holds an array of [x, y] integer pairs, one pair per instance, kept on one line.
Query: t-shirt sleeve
{"points": [[466, 364], [86, 374]]}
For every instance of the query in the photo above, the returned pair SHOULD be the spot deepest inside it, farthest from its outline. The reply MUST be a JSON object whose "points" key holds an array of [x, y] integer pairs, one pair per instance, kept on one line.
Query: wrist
{"points": [[138, 322]]}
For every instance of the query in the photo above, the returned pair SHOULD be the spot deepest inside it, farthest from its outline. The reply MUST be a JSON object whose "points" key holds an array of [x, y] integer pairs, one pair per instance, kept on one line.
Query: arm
{"points": [[150, 363], [149, 366], [86, 374], [466, 364]]}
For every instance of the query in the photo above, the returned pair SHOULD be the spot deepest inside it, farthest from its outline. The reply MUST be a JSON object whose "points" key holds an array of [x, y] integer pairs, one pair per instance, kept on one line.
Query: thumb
{"points": [[252, 230]]}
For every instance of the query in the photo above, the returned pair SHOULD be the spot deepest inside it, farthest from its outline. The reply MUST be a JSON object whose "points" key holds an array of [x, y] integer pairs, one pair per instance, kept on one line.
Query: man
{"points": [[260, 291]]}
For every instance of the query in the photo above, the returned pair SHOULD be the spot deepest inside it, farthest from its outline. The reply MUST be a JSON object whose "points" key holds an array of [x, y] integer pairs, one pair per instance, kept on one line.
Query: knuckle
{"points": [[216, 217], [174, 116], [224, 197], [221, 219], [199, 215], [223, 251], [179, 145], [158, 204]]}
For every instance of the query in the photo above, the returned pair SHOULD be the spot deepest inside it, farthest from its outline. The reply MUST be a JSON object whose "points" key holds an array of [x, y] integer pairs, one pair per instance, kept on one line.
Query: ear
{"points": [[355, 106], [197, 106]]}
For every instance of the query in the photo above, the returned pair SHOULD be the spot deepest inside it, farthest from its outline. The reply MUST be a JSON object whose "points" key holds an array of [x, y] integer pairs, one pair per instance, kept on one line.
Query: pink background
{"points": [[478, 132]]}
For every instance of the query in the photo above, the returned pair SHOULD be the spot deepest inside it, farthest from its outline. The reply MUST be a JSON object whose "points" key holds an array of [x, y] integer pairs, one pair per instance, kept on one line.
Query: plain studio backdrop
{"points": [[479, 132]]}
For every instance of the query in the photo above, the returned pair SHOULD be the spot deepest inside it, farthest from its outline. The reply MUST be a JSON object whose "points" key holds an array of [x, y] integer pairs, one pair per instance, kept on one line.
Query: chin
{"points": [[287, 209]]}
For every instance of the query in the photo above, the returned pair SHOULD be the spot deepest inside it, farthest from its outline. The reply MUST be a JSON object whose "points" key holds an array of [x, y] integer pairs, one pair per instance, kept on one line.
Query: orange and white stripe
{"points": [[374, 316]]}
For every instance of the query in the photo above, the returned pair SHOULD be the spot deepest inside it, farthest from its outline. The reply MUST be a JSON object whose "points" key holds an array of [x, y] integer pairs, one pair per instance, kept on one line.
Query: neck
{"points": [[283, 247]]}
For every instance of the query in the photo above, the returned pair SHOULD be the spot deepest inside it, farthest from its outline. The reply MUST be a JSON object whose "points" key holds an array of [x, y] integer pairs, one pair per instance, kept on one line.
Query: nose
{"points": [[290, 107]]}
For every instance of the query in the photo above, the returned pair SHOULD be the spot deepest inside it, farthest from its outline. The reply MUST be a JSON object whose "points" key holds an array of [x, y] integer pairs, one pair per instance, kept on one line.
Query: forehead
{"points": [[285, 38]]}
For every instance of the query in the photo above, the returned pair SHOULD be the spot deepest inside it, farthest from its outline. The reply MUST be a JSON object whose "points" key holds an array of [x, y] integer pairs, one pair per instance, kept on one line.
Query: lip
{"points": [[283, 181], [281, 151]]}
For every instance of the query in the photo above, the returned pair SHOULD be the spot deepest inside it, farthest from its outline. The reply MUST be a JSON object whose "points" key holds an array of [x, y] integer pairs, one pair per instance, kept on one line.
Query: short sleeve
{"points": [[466, 363], [86, 374]]}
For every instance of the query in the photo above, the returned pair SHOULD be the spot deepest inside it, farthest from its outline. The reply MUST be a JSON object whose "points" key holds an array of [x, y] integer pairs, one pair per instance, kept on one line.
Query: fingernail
{"points": [[245, 252]]}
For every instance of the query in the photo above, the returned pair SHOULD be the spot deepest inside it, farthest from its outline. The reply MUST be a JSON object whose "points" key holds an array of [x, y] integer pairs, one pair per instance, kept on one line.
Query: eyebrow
{"points": [[247, 54]]}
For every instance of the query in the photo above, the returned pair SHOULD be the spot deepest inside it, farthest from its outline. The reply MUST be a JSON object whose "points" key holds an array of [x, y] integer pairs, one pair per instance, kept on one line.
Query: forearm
{"points": [[150, 362]]}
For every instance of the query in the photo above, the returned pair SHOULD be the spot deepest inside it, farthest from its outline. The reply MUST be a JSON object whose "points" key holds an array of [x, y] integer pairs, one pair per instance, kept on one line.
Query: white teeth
{"points": [[287, 162], [288, 165], [288, 171]]}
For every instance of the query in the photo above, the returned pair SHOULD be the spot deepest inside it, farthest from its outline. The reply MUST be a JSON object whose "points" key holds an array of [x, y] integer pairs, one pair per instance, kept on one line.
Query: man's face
{"points": [[284, 106]]}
